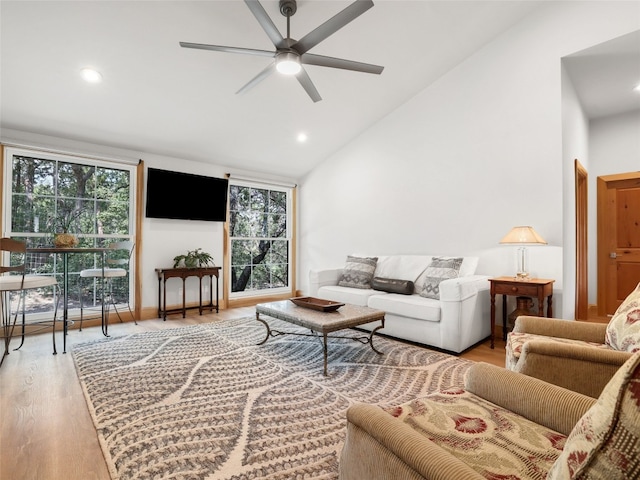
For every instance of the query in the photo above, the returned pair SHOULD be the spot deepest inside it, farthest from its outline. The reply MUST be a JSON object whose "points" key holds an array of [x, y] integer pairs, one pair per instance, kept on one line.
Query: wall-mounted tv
{"points": [[185, 196]]}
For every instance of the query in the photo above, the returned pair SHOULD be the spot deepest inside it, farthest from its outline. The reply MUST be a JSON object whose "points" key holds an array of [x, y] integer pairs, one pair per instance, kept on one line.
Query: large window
{"points": [[260, 239], [46, 194]]}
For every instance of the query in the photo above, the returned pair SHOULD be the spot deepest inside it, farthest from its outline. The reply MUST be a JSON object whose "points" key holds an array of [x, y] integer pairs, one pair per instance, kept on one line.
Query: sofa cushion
{"points": [[605, 443], [495, 442], [358, 272], [516, 340], [438, 270], [392, 285], [355, 296], [412, 306], [623, 330]]}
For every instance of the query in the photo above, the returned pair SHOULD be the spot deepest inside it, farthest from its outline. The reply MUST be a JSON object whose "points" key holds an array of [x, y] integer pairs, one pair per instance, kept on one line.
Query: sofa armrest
{"points": [[528, 396], [461, 288], [555, 327], [581, 368], [322, 278], [379, 447]]}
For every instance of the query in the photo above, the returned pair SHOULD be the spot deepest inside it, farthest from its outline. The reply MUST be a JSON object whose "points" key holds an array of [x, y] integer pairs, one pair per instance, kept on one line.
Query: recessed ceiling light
{"points": [[91, 75], [637, 88], [302, 137]]}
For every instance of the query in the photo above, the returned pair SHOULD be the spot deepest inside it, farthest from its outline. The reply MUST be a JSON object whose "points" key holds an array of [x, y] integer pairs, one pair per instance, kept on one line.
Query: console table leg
{"points": [[159, 296], [164, 301], [217, 296], [184, 298]]}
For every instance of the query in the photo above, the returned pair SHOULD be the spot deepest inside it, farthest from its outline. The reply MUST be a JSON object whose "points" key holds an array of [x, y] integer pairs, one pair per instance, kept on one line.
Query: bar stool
{"points": [[21, 282], [114, 268]]}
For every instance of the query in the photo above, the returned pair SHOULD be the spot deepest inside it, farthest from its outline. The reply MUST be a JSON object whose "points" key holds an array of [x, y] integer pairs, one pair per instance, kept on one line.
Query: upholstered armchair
{"points": [[580, 356], [501, 425]]}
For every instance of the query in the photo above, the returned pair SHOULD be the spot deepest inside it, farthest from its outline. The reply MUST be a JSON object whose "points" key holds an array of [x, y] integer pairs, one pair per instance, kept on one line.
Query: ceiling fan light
{"points": [[90, 75], [288, 63]]}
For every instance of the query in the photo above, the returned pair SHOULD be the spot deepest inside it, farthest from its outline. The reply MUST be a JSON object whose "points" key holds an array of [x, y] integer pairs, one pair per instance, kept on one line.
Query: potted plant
{"points": [[64, 222], [193, 259]]}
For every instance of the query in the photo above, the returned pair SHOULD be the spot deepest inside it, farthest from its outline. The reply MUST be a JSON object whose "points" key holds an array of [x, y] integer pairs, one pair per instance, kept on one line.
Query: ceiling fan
{"points": [[290, 55]]}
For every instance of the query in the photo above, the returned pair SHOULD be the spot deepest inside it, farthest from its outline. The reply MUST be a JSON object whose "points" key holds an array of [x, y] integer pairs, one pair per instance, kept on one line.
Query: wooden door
{"points": [[618, 239]]}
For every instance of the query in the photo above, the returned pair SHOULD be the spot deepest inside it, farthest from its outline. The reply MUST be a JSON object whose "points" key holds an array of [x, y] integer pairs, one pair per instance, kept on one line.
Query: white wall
{"points": [[575, 145], [475, 153], [614, 147]]}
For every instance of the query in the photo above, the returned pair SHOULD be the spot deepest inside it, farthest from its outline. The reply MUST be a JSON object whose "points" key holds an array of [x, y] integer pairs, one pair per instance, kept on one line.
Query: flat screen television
{"points": [[186, 196]]}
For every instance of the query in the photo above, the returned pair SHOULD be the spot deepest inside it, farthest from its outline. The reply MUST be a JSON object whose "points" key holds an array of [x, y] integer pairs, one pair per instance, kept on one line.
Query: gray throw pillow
{"points": [[358, 272], [438, 270], [392, 285]]}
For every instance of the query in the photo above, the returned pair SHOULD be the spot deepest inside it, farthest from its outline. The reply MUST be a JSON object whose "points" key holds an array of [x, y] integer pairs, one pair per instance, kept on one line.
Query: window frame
{"points": [[6, 202], [239, 298]]}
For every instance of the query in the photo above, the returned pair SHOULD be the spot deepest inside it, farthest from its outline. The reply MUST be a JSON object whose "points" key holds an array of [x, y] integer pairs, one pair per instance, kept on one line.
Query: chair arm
{"points": [[555, 327], [379, 447], [528, 396], [581, 368], [323, 278]]}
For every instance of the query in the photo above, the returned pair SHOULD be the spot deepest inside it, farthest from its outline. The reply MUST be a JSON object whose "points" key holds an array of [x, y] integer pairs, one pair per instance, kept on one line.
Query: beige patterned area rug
{"points": [[205, 402]]}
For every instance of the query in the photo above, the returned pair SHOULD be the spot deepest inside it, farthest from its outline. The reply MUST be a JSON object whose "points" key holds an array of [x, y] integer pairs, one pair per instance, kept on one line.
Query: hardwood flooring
{"points": [[46, 432]]}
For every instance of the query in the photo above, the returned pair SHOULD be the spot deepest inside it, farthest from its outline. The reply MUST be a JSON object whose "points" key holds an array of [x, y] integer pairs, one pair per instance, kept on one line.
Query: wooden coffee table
{"points": [[348, 316]]}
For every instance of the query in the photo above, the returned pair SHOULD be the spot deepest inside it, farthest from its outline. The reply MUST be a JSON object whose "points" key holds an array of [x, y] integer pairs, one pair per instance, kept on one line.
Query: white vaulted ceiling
{"points": [[158, 97]]}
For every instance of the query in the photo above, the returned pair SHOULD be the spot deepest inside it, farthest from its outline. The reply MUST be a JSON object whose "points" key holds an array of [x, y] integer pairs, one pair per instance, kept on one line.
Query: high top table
{"points": [[64, 252]]}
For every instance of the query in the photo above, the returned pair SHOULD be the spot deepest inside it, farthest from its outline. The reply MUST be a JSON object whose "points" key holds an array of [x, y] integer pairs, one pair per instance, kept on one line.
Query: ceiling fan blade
{"points": [[258, 78], [322, 61], [222, 48], [332, 25], [307, 84], [265, 22]]}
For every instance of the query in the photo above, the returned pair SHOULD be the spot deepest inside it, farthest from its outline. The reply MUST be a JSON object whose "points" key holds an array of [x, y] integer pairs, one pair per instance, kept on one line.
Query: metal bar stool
{"points": [[116, 267], [17, 281]]}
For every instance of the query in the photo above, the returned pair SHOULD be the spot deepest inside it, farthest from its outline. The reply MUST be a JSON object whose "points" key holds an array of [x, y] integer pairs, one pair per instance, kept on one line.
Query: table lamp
{"points": [[522, 236]]}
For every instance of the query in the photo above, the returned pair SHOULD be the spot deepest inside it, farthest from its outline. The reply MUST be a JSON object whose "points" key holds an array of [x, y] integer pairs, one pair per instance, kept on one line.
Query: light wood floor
{"points": [[46, 432]]}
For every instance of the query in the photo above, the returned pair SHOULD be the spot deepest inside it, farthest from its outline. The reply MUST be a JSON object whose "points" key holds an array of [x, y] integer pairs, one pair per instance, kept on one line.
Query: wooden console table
{"points": [[165, 274], [532, 287]]}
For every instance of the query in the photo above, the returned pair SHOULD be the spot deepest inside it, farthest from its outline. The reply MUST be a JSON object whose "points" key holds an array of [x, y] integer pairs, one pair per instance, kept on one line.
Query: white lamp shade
{"points": [[523, 236]]}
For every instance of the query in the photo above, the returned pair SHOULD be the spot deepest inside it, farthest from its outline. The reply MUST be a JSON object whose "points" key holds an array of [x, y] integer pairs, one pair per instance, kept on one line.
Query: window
{"points": [[260, 239], [46, 193]]}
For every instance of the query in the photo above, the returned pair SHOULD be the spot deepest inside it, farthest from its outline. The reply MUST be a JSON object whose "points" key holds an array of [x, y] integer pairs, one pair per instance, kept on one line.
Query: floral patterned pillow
{"points": [[605, 443], [623, 331]]}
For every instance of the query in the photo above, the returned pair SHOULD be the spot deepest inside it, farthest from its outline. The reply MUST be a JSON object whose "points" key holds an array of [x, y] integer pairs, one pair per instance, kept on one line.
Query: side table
{"points": [[509, 286], [183, 273]]}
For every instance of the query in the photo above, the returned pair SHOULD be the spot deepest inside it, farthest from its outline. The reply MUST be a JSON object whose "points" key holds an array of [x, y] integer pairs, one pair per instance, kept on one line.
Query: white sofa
{"points": [[455, 322]]}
